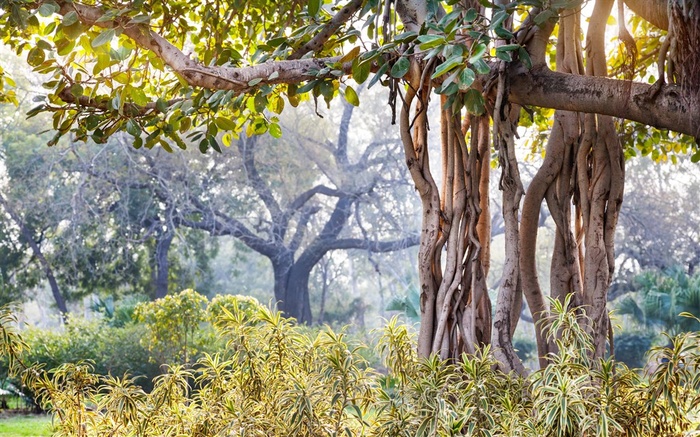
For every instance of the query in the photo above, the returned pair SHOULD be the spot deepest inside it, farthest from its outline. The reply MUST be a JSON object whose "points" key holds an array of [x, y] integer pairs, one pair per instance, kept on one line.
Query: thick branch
{"points": [[247, 149], [539, 87], [329, 29], [195, 73], [341, 151], [618, 98], [298, 237], [307, 195], [653, 11], [229, 226], [373, 246]]}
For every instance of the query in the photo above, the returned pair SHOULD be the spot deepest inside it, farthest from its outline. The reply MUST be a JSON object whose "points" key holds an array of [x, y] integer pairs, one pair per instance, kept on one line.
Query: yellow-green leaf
{"points": [[224, 123], [351, 96], [352, 54]]}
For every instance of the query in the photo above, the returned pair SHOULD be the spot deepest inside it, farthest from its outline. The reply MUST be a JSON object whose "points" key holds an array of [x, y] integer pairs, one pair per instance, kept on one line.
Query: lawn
{"points": [[25, 426]]}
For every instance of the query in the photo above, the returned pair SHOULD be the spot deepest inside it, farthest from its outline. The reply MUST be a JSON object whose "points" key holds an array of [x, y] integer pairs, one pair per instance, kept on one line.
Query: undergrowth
{"points": [[276, 379]]}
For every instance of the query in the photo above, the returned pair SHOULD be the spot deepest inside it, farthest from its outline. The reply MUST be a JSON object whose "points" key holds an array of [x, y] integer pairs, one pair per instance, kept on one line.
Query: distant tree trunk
{"points": [[28, 236], [324, 266], [162, 264], [292, 288]]}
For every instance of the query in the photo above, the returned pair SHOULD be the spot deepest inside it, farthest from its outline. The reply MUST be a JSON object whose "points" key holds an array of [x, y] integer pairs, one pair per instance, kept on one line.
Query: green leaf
{"points": [[508, 48], [162, 105], [64, 46], [76, 90], [351, 96], [400, 67], [352, 54], [524, 58], [225, 123], [103, 38], [470, 15], [142, 18], [35, 57], [48, 9], [544, 16], [133, 128], [276, 104], [695, 158], [275, 130], [378, 75], [498, 18], [406, 36], [138, 96], [360, 70], [204, 146], [477, 52], [429, 41], [481, 66], [165, 145], [501, 32], [314, 7], [504, 56], [466, 78], [214, 144], [447, 66], [69, 19], [260, 102], [307, 87], [474, 102]]}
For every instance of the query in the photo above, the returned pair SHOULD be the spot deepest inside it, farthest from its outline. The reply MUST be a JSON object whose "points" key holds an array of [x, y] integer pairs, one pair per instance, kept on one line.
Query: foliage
{"points": [[111, 350], [631, 347], [224, 304], [660, 297], [171, 324], [276, 378], [408, 304]]}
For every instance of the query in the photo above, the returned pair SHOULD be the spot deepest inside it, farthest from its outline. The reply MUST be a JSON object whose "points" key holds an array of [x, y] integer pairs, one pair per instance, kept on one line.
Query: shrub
{"points": [[272, 378], [171, 326], [110, 350]]}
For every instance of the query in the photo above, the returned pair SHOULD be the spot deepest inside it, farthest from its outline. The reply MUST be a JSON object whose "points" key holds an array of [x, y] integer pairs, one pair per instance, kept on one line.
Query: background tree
{"points": [[291, 200]]}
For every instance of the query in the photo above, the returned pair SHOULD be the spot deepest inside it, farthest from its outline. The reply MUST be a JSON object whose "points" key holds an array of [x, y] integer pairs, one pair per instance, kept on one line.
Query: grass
{"points": [[25, 426]]}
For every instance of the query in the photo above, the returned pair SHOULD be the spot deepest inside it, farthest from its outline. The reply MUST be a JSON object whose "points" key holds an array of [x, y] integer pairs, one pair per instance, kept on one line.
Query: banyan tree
{"points": [[195, 74]]}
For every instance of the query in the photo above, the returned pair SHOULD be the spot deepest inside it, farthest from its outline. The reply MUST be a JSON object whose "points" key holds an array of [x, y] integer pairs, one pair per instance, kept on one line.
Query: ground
{"points": [[14, 423]]}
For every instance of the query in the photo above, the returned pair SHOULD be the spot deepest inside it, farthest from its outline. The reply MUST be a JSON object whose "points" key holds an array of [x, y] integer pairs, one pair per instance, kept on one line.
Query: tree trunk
{"points": [[162, 264], [292, 288]]}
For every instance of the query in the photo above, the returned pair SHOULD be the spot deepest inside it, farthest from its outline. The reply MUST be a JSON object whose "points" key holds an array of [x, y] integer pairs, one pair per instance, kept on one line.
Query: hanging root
{"points": [[624, 36]]}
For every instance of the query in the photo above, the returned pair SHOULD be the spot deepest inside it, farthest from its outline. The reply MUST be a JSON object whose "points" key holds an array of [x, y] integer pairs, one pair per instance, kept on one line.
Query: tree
{"points": [[50, 231], [126, 66], [283, 200]]}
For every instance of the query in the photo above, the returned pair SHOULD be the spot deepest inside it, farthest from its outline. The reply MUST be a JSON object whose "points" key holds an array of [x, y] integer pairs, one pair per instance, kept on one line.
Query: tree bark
{"points": [[162, 264], [292, 288]]}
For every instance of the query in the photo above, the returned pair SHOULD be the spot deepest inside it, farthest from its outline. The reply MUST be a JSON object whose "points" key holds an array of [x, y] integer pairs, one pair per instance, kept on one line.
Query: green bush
{"points": [[172, 326], [272, 378], [111, 350]]}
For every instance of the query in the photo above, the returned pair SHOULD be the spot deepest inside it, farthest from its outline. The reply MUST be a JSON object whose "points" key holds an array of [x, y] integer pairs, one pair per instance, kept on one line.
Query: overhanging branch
{"points": [[668, 109], [197, 74]]}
